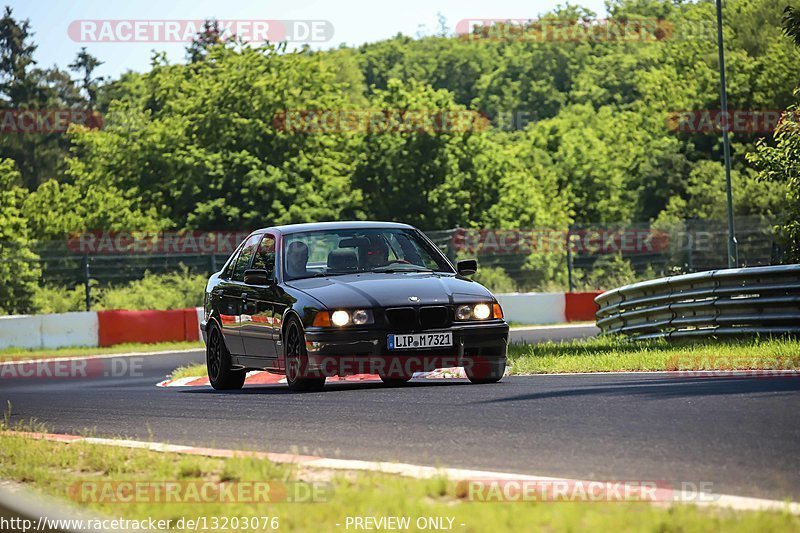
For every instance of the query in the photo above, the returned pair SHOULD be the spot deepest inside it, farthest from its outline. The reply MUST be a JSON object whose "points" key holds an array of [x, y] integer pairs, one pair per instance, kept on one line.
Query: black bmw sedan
{"points": [[339, 298]]}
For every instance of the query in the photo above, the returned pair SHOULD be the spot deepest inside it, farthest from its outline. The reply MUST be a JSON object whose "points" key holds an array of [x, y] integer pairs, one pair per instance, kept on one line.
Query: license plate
{"points": [[410, 341]]}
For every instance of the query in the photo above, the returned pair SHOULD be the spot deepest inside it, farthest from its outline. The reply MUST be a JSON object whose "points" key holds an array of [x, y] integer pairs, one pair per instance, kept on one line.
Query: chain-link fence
{"points": [[581, 257], [592, 257]]}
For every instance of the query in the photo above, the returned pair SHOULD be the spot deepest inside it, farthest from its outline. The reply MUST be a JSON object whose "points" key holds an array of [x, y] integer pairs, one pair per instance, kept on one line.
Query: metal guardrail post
{"points": [[570, 266], [733, 246], [86, 281]]}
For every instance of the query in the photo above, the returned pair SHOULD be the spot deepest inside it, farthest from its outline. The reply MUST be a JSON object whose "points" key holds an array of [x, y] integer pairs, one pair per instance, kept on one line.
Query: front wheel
{"points": [[297, 360], [395, 381], [486, 370], [218, 363]]}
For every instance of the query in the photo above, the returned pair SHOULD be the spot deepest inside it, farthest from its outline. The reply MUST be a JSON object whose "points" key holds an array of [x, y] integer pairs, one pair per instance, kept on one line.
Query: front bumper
{"points": [[364, 351]]}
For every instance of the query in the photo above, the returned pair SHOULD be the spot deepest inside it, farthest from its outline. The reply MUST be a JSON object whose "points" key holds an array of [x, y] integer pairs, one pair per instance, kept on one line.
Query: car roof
{"points": [[317, 226]]}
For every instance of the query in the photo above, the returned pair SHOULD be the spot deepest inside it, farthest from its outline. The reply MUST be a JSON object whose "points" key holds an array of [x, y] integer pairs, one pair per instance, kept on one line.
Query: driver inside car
{"points": [[377, 253], [296, 259]]}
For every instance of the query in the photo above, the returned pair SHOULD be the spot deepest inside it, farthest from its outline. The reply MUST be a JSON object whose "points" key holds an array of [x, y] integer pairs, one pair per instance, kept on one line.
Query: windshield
{"points": [[336, 252]]}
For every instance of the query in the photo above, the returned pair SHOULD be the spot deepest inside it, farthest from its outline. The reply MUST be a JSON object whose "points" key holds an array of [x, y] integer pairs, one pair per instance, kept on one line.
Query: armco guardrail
{"points": [[731, 302], [23, 510]]}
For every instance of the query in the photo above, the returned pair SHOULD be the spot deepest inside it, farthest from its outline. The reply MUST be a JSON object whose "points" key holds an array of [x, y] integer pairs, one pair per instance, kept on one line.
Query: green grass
{"points": [[189, 371], [10, 354], [607, 354], [55, 468], [523, 325]]}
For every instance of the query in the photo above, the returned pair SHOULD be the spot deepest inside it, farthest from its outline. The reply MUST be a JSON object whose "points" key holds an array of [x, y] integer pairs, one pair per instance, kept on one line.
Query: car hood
{"points": [[372, 290]]}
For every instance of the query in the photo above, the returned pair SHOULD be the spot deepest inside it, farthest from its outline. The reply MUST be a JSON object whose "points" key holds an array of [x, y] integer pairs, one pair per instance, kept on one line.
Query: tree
{"points": [[19, 267], [39, 154], [791, 23], [779, 167], [16, 58], [420, 159], [85, 64], [204, 40], [202, 145]]}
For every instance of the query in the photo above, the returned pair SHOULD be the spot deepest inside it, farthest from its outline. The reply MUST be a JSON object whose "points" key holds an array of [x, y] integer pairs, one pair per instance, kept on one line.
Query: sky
{"points": [[351, 21]]}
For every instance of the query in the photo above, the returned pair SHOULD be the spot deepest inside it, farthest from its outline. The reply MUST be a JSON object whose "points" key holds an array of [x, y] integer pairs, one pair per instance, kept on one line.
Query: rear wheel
{"points": [[297, 360], [486, 370], [218, 363]]}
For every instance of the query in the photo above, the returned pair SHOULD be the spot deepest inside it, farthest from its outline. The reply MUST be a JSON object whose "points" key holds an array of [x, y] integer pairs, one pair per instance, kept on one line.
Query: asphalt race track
{"points": [[741, 434]]}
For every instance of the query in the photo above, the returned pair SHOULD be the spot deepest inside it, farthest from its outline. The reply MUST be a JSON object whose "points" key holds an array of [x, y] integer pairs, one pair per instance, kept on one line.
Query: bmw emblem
{"points": [[413, 298]]}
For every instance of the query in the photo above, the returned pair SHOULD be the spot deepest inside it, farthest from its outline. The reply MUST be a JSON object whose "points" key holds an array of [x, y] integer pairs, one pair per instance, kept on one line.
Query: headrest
{"points": [[342, 259], [297, 247]]}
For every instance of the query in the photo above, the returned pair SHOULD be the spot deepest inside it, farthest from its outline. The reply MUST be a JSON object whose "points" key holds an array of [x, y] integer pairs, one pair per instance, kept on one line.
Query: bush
{"points": [[19, 267], [174, 290], [495, 279], [608, 272], [57, 299]]}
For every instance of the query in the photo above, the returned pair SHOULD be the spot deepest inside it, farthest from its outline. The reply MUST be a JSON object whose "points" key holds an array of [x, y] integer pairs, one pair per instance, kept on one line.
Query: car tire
{"points": [[218, 363], [486, 370], [395, 381], [297, 360]]}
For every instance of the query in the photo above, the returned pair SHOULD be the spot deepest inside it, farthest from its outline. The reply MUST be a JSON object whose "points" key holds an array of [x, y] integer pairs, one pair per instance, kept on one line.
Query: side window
{"points": [[227, 271], [265, 256], [243, 262]]}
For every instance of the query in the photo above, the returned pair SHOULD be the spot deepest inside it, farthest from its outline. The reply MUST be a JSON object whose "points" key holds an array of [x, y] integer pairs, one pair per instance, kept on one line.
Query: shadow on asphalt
{"points": [[344, 386], [668, 387]]}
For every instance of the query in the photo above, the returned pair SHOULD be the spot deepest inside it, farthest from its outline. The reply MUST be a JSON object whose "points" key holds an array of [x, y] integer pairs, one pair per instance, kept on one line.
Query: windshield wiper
{"points": [[401, 268]]}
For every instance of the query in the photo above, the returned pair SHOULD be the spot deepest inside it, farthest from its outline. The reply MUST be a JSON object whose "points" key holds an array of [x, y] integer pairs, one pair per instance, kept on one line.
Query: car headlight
{"points": [[361, 317], [479, 311], [340, 318], [464, 312]]}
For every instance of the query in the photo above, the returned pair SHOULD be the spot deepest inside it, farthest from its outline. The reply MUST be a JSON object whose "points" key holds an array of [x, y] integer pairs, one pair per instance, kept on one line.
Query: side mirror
{"points": [[256, 277], [467, 267]]}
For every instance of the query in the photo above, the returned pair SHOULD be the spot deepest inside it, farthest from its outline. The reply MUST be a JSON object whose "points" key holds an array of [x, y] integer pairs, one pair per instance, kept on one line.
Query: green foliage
{"points": [[608, 272], [19, 268], [495, 279], [58, 299], [791, 23], [779, 167], [705, 196], [200, 146], [436, 174], [174, 290]]}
